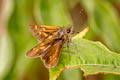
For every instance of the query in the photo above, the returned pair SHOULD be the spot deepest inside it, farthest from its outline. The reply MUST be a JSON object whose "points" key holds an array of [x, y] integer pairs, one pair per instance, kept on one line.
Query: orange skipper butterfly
{"points": [[52, 40]]}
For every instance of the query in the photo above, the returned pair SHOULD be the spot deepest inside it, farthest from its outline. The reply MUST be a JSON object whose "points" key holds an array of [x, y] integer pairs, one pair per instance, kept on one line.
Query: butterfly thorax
{"points": [[64, 33]]}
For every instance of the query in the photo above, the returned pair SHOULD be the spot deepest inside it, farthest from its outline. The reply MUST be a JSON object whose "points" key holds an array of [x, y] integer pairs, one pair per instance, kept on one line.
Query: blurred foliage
{"points": [[103, 17]]}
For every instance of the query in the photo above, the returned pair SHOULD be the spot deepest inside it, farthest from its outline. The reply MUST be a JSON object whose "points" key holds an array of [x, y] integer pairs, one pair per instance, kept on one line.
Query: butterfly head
{"points": [[64, 31], [68, 30]]}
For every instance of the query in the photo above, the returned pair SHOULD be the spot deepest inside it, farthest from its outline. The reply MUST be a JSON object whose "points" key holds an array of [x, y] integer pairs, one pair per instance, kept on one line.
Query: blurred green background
{"points": [[102, 16]]}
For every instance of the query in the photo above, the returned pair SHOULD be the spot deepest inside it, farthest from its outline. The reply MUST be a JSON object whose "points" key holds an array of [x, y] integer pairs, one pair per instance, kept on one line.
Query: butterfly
{"points": [[52, 40]]}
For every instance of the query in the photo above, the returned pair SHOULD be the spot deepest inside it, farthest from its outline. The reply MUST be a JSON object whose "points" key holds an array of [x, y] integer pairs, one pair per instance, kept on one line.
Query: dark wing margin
{"points": [[42, 32], [52, 57]]}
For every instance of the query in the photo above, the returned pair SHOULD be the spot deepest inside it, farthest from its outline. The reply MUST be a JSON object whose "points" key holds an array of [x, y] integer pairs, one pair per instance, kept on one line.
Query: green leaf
{"points": [[91, 57]]}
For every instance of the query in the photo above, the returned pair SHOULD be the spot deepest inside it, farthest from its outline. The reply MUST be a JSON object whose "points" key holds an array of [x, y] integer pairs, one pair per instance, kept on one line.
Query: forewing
{"points": [[42, 32], [41, 49], [52, 56]]}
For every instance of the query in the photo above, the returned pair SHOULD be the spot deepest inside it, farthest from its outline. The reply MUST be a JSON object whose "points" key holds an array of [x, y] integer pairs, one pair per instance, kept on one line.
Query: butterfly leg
{"points": [[68, 48], [73, 44]]}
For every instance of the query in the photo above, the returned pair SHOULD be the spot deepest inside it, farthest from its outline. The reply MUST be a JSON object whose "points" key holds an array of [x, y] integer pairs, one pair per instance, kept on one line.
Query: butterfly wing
{"points": [[41, 49], [53, 55], [42, 32]]}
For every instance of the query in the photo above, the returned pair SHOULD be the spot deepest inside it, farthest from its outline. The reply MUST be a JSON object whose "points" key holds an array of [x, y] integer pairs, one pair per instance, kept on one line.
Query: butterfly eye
{"points": [[68, 31]]}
